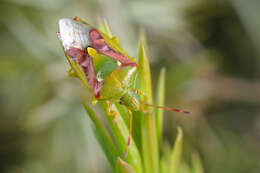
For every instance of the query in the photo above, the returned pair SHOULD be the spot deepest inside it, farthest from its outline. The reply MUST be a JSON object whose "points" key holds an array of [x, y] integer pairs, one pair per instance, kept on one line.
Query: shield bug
{"points": [[110, 73]]}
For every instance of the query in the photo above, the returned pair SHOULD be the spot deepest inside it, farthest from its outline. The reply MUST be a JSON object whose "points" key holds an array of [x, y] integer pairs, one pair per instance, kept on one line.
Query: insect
{"points": [[109, 71]]}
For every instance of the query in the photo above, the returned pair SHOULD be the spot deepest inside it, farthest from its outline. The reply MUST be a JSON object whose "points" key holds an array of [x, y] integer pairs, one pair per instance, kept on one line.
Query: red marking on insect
{"points": [[133, 64], [102, 47], [97, 96], [85, 61], [97, 89], [95, 35]]}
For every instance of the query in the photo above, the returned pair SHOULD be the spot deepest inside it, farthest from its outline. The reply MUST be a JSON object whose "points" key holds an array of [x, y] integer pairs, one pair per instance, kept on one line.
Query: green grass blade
{"points": [[148, 128], [136, 133], [176, 152], [103, 138], [120, 132], [123, 167], [104, 27], [160, 102], [144, 75], [107, 29], [196, 163]]}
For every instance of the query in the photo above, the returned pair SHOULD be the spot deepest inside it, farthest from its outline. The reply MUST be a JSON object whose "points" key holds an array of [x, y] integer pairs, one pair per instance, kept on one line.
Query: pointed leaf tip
{"points": [[144, 75], [196, 163], [107, 29], [123, 167], [160, 95], [177, 150]]}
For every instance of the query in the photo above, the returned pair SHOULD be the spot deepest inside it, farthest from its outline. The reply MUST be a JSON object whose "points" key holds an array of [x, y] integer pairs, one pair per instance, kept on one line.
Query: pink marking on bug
{"points": [[85, 61], [130, 132], [102, 47]]}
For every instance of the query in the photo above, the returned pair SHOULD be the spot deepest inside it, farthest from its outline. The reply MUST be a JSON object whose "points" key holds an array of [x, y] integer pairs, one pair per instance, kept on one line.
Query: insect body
{"points": [[85, 44], [110, 72]]}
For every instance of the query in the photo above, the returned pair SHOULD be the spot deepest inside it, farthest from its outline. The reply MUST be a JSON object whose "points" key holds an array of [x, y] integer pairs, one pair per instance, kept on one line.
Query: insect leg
{"points": [[130, 132], [102, 47], [145, 100], [110, 111], [140, 92]]}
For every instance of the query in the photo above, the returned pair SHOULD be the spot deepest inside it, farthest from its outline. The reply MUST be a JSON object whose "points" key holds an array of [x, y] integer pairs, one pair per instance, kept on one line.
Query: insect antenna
{"points": [[140, 92], [167, 108]]}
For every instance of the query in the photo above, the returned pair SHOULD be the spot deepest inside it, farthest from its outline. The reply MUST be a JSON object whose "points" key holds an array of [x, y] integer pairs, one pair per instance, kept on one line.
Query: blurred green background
{"points": [[211, 51]]}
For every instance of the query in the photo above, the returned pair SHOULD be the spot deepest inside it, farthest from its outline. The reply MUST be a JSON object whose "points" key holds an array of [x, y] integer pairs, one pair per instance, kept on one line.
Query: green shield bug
{"points": [[108, 71]]}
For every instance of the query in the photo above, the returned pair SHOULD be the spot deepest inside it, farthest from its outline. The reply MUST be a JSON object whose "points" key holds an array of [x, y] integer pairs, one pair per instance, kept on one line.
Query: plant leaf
{"points": [[176, 152], [144, 75], [120, 132], [160, 102], [196, 163], [148, 128], [104, 27], [107, 29], [123, 111], [123, 167], [103, 138]]}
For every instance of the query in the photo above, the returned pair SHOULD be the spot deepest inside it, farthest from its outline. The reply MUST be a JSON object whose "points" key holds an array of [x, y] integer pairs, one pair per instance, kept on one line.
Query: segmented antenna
{"points": [[154, 106], [167, 108]]}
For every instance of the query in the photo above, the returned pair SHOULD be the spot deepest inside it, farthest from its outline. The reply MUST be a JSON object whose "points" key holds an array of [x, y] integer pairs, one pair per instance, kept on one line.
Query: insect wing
{"points": [[113, 43], [103, 66]]}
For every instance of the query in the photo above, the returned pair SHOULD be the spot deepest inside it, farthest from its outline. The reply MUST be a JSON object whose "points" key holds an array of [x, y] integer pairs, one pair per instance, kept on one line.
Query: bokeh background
{"points": [[210, 49]]}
